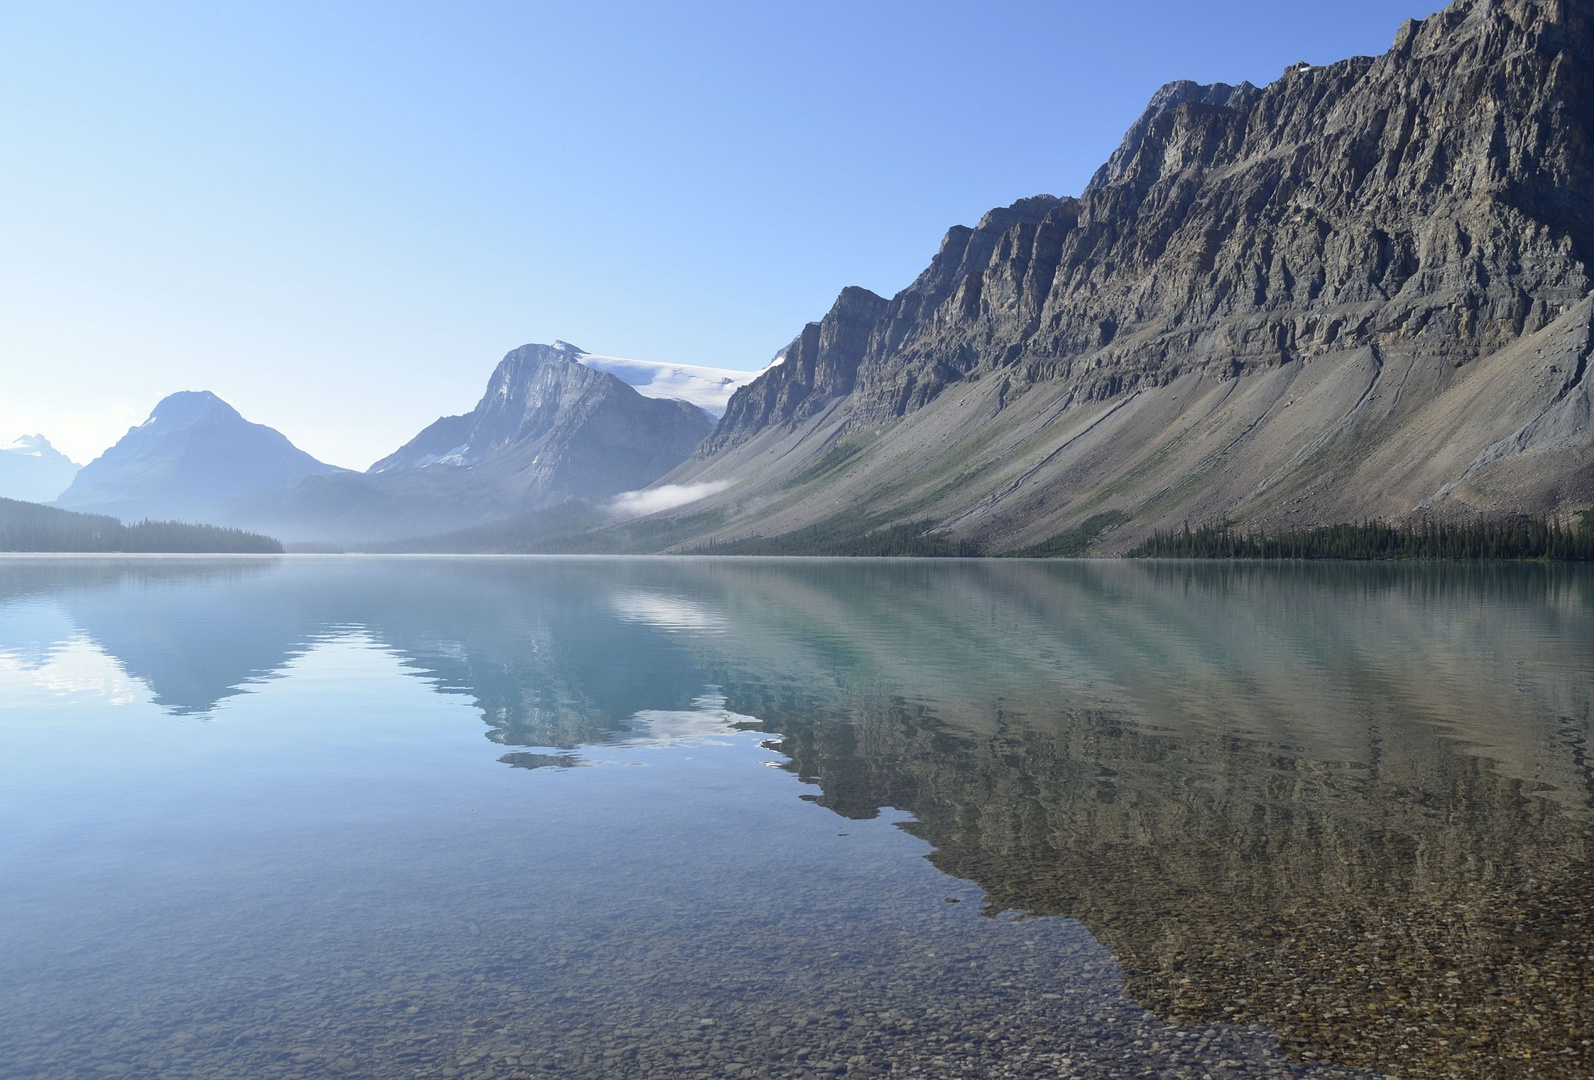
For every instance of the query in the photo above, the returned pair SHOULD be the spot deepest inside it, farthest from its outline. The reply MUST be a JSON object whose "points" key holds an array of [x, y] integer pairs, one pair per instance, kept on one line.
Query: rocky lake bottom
{"points": [[479, 818]]}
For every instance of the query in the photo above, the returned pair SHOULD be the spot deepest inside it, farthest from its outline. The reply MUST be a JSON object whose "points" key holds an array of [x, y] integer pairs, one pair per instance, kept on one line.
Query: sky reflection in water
{"points": [[1273, 816]]}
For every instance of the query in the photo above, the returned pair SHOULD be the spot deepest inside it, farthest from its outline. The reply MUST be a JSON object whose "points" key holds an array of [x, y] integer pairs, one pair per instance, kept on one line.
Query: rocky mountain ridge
{"points": [[1362, 290]]}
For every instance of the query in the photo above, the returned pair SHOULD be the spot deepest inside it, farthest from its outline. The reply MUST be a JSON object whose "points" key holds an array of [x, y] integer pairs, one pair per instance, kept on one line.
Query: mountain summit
{"points": [[194, 459], [1360, 291], [550, 428], [34, 471]]}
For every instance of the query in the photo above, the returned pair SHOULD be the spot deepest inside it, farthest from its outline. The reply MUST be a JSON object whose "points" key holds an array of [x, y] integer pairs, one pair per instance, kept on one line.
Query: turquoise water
{"points": [[307, 817]]}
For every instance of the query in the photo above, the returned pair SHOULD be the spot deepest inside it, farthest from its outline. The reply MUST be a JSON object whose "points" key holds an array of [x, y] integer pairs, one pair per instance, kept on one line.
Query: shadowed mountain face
{"points": [[1362, 290], [194, 459], [1350, 803], [32, 470]]}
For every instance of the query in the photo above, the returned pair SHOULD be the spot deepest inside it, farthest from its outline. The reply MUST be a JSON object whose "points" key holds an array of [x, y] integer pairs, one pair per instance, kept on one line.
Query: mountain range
{"points": [[552, 426], [1362, 291]]}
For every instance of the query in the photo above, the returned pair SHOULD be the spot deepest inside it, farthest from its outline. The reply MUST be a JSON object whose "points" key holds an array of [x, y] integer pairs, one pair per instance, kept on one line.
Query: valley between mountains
{"points": [[1360, 292]]}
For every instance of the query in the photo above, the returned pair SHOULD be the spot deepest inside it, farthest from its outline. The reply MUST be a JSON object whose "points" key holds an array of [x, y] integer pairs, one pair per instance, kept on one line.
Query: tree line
{"points": [[1514, 538], [31, 527]]}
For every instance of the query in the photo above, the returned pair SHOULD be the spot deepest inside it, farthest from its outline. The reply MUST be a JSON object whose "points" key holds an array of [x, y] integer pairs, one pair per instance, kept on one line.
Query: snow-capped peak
{"points": [[34, 446], [708, 388]]}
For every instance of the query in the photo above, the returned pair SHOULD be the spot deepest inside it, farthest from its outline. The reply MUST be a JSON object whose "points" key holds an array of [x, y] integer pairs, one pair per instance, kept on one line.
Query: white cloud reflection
{"points": [[671, 613], [75, 666], [707, 723]]}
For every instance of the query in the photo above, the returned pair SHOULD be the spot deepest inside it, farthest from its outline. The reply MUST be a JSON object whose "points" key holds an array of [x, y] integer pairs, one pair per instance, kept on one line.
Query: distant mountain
{"points": [[1364, 290], [194, 459], [550, 428], [34, 471], [26, 526]]}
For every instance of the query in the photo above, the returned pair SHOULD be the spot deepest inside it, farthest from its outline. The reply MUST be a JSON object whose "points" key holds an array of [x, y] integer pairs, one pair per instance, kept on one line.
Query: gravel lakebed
{"points": [[931, 988]]}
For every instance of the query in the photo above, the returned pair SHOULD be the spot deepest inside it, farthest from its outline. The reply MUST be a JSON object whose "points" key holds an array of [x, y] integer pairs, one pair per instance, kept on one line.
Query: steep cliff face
{"points": [[1261, 292], [819, 368]]}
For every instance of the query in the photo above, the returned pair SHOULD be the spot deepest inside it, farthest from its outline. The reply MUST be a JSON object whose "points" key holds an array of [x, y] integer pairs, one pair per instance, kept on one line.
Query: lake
{"points": [[559, 817]]}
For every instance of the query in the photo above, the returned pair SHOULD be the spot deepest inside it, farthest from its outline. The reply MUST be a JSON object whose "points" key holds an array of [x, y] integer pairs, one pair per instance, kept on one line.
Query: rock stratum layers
{"points": [[1361, 291]]}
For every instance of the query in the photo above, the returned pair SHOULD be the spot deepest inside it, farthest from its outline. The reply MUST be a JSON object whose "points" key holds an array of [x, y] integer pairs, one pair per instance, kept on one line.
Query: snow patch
{"points": [[710, 389], [455, 456]]}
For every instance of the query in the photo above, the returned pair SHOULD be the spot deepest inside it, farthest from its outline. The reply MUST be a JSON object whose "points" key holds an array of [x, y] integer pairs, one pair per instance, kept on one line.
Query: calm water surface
{"points": [[484, 818]]}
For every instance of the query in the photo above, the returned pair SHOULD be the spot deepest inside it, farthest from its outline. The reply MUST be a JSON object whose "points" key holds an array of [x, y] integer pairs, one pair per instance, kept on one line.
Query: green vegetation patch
{"points": [[572, 528], [1517, 538], [1074, 542], [833, 460], [851, 533], [629, 538]]}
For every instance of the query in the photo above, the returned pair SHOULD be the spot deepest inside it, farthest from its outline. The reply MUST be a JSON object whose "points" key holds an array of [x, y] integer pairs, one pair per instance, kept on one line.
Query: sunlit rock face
{"points": [[1361, 290]]}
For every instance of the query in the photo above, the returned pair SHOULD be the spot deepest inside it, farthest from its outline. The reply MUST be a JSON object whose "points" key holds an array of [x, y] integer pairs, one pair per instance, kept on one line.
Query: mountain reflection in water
{"points": [[1349, 803]]}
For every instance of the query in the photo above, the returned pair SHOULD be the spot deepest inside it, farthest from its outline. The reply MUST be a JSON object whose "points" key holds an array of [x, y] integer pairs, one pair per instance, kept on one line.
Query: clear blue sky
{"points": [[339, 215]]}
